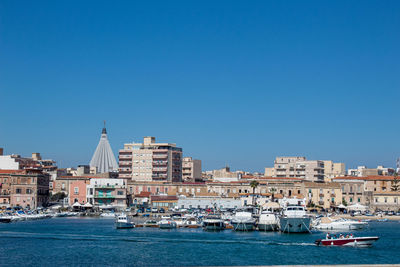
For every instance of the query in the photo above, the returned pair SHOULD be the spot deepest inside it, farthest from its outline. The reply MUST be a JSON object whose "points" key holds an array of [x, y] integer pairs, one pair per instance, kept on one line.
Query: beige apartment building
{"points": [[151, 161], [191, 169], [326, 195], [333, 169], [297, 167]]}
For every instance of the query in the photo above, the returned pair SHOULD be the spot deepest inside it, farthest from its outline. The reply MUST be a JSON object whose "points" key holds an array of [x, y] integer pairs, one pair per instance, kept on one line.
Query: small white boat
{"points": [[107, 215], [167, 223], [191, 222], [123, 221], [334, 223]]}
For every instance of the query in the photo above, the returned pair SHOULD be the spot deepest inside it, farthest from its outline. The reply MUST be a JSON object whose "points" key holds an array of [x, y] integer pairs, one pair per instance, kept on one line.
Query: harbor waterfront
{"points": [[95, 241]]}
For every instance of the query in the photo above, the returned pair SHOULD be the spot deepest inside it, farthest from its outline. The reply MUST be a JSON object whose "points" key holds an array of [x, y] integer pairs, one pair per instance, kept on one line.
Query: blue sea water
{"points": [[95, 242]]}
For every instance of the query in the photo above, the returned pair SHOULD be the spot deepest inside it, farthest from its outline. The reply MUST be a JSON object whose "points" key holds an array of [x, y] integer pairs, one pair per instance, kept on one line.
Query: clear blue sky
{"points": [[231, 82]]}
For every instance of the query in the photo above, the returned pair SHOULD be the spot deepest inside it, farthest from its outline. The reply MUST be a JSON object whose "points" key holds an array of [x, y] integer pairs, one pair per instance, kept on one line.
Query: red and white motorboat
{"points": [[349, 241]]}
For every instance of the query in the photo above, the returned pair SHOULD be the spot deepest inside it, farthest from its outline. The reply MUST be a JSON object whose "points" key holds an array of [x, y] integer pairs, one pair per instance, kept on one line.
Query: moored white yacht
{"points": [[294, 220], [268, 221], [243, 221], [213, 223], [334, 223]]}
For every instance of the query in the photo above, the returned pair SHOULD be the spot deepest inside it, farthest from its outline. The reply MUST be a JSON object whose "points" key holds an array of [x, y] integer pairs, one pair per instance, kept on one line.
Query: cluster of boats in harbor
{"points": [[291, 219], [21, 215]]}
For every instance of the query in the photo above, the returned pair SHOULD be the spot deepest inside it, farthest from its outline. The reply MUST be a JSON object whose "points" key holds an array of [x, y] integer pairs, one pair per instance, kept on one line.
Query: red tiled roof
{"points": [[366, 178], [11, 171], [163, 198], [143, 194]]}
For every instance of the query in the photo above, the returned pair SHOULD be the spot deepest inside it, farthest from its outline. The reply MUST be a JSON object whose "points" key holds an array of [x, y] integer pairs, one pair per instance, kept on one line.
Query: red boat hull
{"points": [[354, 242]]}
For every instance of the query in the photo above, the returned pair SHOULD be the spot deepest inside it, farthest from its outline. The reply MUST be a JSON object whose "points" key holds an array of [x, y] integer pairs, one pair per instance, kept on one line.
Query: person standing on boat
{"points": [[328, 236]]}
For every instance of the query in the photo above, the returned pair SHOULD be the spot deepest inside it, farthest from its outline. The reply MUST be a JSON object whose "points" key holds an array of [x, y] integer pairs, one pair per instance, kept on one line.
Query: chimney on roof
{"points": [[147, 140], [36, 156]]}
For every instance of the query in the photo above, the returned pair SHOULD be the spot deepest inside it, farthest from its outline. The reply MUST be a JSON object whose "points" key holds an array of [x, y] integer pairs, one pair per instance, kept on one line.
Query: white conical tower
{"points": [[103, 158]]}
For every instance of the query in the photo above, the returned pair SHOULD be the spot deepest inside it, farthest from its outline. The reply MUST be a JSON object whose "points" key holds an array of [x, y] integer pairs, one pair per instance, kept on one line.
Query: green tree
{"points": [[272, 190], [58, 196], [395, 184], [254, 184]]}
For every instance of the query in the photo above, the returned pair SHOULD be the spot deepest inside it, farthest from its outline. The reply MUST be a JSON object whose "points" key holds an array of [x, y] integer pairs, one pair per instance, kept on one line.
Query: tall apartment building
{"points": [[191, 169], [151, 161], [298, 167], [333, 169]]}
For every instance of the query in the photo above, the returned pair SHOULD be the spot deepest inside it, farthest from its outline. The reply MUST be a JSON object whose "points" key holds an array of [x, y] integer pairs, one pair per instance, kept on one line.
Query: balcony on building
{"points": [[160, 163], [160, 155]]}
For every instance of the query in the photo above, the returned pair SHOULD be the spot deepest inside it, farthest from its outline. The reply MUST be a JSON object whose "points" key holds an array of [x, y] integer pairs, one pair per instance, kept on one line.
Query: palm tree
{"points": [[254, 185], [272, 190]]}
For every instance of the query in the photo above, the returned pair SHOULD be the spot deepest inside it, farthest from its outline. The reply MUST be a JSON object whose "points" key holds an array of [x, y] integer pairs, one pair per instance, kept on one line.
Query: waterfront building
{"points": [[325, 195], [24, 188], [151, 161], [78, 190], [205, 202], [191, 169], [107, 192], [103, 158], [5, 187], [141, 199], [354, 190], [162, 201], [386, 201]]}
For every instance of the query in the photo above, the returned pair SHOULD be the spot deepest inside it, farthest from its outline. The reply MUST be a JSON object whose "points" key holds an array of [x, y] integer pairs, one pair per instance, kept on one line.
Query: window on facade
{"points": [[376, 200], [198, 190], [76, 190], [166, 190], [180, 190], [18, 190], [358, 200], [120, 193], [395, 200], [63, 186], [351, 199], [29, 191], [385, 199]]}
